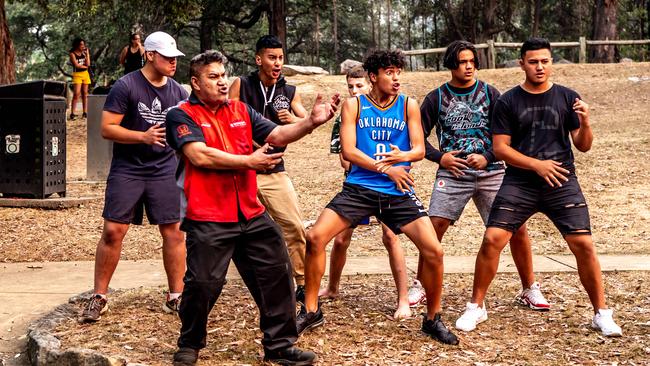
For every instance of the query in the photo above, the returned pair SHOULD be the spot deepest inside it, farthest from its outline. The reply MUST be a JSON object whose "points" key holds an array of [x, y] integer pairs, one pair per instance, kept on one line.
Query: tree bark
{"points": [[207, 25], [536, 17], [604, 28], [424, 35], [335, 25], [378, 24], [278, 22], [388, 10], [373, 44], [317, 34], [7, 54]]}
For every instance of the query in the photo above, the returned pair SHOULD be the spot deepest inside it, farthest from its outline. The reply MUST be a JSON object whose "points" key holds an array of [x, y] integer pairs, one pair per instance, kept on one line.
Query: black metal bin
{"points": [[33, 139]]}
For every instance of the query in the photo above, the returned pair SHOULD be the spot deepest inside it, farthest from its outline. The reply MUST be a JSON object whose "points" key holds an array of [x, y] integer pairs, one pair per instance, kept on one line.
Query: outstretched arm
{"points": [[320, 113]]}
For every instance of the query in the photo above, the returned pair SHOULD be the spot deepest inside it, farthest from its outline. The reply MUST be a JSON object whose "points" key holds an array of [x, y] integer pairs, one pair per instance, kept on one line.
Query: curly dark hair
{"points": [[203, 59], [450, 60], [381, 59]]}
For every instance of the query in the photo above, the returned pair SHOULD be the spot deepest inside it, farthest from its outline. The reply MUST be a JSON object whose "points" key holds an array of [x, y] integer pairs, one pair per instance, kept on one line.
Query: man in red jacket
{"points": [[221, 214]]}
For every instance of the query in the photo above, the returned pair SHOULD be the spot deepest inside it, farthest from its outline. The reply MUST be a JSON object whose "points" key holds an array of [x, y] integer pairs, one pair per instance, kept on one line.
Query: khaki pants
{"points": [[277, 194]]}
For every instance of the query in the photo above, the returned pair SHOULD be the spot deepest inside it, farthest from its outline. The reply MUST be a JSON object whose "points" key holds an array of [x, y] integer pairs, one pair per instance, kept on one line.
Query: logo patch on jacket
{"points": [[238, 124], [183, 131]]}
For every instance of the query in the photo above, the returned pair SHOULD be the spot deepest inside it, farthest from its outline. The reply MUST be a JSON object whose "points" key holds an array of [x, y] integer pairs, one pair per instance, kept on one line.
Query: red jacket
{"points": [[213, 195]]}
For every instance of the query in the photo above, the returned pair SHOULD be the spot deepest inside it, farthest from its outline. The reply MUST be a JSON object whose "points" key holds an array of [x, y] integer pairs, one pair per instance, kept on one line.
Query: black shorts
{"points": [[354, 203], [520, 197], [126, 197]]}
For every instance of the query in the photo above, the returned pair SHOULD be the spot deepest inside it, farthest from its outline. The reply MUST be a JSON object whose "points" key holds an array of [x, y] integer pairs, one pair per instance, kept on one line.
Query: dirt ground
{"points": [[359, 330], [615, 176]]}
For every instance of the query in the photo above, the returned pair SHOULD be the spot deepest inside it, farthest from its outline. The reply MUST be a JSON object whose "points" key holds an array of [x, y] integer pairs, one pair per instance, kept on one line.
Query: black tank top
{"points": [[81, 60], [133, 61], [277, 98]]}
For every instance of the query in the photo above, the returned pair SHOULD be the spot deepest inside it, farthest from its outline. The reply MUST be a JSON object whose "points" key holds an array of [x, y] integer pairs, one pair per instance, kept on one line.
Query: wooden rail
{"points": [[491, 47]]}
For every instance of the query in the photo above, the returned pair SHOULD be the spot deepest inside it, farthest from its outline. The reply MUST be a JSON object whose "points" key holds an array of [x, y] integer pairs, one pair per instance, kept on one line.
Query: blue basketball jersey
{"points": [[377, 128]]}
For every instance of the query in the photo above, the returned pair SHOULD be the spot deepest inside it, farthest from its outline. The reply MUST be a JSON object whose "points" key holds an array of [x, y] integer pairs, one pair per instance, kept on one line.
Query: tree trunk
{"points": [[317, 33], [436, 39], [424, 36], [373, 44], [335, 26], [278, 22], [604, 28], [536, 18], [388, 6], [378, 24], [409, 45], [205, 34], [648, 15], [7, 55]]}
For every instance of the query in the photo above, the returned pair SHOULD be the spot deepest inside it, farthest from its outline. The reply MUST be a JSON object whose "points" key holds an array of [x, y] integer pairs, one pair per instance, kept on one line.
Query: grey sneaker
{"points": [[171, 306], [93, 311]]}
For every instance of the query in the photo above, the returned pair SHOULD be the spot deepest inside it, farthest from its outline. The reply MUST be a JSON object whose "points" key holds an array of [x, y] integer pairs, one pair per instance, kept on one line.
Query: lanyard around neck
{"points": [[266, 102]]}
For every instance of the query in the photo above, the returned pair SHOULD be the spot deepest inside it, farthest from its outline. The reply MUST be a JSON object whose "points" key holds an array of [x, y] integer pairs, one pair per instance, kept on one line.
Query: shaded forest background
{"points": [[36, 34]]}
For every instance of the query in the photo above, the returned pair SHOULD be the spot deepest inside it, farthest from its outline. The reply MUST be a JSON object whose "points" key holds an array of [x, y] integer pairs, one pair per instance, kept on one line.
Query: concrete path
{"points": [[30, 290]]}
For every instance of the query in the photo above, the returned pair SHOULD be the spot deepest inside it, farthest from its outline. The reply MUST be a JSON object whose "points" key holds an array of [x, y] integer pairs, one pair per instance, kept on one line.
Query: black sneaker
{"points": [[186, 356], [72, 116], [94, 309], [300, 294], [84, 115], [290, 356], [306, 321], [438, 331]]}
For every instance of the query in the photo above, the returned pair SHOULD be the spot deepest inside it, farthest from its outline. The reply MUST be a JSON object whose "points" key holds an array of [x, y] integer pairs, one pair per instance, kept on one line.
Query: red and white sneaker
{"points": [[416, 294], [533, 298]]}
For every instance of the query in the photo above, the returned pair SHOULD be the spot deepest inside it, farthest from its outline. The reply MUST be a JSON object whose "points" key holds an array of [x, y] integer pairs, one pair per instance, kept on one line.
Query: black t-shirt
{"points": [[133, 61], [143, 105], [539, 124]]}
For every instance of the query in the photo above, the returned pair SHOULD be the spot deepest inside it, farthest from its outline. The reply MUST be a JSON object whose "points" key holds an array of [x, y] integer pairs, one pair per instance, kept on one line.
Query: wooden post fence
{"points": [[492, 46]]}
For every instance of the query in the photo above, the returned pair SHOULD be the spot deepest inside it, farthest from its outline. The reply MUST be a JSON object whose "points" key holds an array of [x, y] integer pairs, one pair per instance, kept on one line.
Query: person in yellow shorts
{"points": [[80, 60]]}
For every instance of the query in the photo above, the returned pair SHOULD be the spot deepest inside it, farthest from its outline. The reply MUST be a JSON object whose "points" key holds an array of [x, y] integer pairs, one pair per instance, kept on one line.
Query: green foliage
{"points": [[43, 29]]}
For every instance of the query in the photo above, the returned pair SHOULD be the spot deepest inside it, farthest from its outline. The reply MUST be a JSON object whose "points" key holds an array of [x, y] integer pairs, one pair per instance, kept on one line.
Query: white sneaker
{"points": [[416, 294], [605, 323], [472, 317], [533, 298]]}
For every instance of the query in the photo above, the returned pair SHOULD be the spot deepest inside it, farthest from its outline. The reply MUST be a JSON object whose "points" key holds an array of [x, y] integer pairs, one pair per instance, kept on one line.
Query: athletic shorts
{"points": [[81, 77], [355, 203], [126, 197], [521, 197], [450, 195]]}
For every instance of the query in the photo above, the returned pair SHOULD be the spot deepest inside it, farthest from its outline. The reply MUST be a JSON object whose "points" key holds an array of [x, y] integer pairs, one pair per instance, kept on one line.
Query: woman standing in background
{"points": [[132, 55], [80, 60]]}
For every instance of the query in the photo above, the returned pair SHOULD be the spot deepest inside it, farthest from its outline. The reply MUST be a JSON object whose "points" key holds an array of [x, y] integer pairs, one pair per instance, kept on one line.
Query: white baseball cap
{"points": [[162, 43]]}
